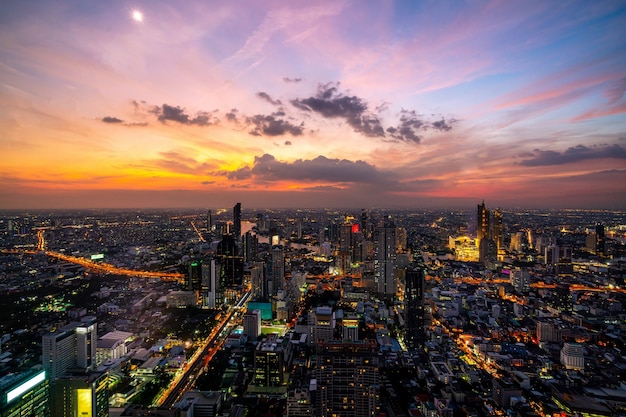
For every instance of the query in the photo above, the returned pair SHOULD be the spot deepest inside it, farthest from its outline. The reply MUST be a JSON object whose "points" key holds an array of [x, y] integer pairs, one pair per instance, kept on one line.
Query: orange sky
{"points": [[324, 104]]}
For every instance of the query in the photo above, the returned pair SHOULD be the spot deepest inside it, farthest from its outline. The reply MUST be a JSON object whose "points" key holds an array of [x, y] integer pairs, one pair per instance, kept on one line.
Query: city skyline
{"points": [[324, 104]]}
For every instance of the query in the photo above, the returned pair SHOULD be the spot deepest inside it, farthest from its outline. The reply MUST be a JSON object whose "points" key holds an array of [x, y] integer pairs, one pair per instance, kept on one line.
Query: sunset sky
{"points": [[355, 104]]}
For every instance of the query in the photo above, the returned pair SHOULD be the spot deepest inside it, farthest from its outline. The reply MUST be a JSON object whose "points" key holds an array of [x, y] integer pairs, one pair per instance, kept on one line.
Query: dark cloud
{"points": [[330, 103], [442, 125], [410, 124], [177, 114], [232, 115], [264, 96], [292, 80], [267, 168], [110, 119], [287, 143], [271, 125], [239, 174], [573, 154], [207, 182]]}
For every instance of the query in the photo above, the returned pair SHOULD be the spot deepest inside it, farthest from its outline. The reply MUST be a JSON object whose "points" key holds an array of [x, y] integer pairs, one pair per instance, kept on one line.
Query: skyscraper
{"points": [[268, 362], [347, 379], [278, 269], [482, 226], [237, 221], [414, 335], [488, 234], [385, 260], [600, 244]]}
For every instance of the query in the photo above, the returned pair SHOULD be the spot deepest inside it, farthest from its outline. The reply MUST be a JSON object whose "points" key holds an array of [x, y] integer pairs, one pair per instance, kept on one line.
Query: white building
{"points": [[572, 356]]}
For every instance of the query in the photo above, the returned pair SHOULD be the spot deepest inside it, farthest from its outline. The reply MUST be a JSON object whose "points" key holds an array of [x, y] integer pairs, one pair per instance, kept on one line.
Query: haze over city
{"points": [[316, 104]]}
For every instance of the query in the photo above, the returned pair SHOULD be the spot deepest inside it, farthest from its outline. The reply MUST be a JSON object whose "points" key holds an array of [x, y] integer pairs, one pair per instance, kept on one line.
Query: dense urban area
{"points": [[240, 312]]}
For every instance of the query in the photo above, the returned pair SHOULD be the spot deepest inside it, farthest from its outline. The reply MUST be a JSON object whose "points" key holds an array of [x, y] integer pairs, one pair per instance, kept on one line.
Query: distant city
{"points": [[254, 312]]}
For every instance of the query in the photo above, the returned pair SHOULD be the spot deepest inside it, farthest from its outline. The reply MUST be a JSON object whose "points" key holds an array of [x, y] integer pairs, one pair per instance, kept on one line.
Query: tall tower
{"points": [[385, 260], [496, 228], [347, 379], [345, 248], [209, 221], [482, 226], [209, 287], [237, 221], [414, 335], [600, 244], [278, 268]]}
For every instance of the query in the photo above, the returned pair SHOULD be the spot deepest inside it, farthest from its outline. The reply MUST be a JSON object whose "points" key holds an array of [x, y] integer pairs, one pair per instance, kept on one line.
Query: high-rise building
{"points": [[600, 243], [257, 278], [250, 247], [482, 219], [194, 276], [347, 379], [252, 324], [278, 269], [209, 221], [496, 229], [227, 253], [209, 288], [414, 334], [71, 347], [385, 259], [268, 362], [365, 224], [344, 258], [24, 394], [237, 221], [488, 234], [520, 279], [323, 325], [80, 394]]}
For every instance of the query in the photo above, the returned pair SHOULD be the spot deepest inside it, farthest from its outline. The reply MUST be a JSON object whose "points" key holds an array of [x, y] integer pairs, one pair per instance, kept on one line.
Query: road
{"points": [[103, 267], [184, 381]]}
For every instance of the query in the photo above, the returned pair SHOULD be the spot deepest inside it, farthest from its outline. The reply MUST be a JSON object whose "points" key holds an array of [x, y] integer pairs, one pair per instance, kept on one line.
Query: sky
{"points": [[288, 104]]}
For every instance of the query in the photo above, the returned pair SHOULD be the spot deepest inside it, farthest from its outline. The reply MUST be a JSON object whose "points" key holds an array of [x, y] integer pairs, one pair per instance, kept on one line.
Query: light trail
{"points": [[197, 232], [102, 267]]}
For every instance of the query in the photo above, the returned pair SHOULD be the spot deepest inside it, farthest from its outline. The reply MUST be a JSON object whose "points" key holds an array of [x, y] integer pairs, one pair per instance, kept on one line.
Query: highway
{"points": [[103, 267], [183, 381]]}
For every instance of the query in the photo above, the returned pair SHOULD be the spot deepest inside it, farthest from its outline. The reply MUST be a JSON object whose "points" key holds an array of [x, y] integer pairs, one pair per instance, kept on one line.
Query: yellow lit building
{"points": [[464, 247]]}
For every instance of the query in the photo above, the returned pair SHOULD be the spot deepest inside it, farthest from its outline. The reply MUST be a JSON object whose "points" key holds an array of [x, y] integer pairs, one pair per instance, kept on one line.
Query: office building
{"points": [[71, 347], [80, 394], [24, 394], [385, 259], [252, 324], [520, 279], [237, 221], [268, 362], [278, 269], [209, 285], [347, 379], [414, 334]]}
